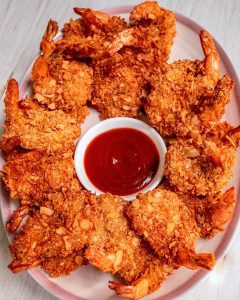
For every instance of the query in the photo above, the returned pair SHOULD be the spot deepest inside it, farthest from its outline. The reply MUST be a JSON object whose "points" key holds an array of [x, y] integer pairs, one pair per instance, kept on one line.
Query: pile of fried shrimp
{"points": [[121, 69]]}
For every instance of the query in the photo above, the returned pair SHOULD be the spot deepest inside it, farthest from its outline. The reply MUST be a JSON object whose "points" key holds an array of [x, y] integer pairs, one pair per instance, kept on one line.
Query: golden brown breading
{"points": [[203, 164], [116, 91], [150, 281], [32, 127], [164, 220], [30, 175], [159, 24], [91, 35], [62, 266], [27, 248], [58, 82], [212, 213], [56, 231], [188, 94], [146, 46], [114, 247]]}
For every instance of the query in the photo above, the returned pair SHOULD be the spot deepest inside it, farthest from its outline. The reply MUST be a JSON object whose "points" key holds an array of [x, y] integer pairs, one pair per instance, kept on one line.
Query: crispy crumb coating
{"points": [[212, 212], [187, 96], [30, 175], [67, 85], [203, 164], [159, 26], [62, 266], [90, 36], [116, 91], [60, 83], [179, 102], [163, 219], [57, 230], [145, 47], [114, 247], [35, 128], [147, 283]]}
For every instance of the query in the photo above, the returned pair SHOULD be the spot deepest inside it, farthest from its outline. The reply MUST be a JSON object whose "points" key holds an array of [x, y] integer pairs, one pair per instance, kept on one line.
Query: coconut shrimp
{"points": [[188, 95], [114, 247], [57, 230], [60, 83], [91, 35], [163, 219], [147, 44], [212, 212], [148, 282], [202, 165], [30, 176], [116, 90], [32, 127]]}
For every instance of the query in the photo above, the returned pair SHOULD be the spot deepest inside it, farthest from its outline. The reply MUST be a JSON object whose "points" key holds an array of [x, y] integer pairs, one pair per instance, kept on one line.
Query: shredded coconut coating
{"points": [[181, 103], [54, 231], [66, 86], [116, 91], [203, 164], [163, 219], [36, 128]]}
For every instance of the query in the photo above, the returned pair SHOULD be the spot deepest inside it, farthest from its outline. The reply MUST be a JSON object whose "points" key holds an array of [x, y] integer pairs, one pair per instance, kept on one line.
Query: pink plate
{"points": [[88, 283]]}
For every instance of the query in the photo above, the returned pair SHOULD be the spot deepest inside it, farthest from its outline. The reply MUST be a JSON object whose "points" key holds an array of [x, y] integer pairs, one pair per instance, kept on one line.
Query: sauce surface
{"points": [[121, 161]]}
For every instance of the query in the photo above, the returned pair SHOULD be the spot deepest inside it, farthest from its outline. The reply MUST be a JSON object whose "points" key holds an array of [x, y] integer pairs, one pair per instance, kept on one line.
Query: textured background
{"points": [[22, 25]]}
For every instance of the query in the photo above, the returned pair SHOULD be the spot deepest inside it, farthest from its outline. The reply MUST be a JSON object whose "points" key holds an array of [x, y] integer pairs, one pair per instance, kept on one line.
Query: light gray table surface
{"points": [[22, 25]]}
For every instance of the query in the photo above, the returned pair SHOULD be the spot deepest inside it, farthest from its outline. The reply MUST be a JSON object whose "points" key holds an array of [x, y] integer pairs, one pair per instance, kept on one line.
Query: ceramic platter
{"points": [[89, 283]]}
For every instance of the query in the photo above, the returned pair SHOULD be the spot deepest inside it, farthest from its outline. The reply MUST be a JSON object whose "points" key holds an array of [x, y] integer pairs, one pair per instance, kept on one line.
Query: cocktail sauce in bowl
{"points": [[123, 156]]}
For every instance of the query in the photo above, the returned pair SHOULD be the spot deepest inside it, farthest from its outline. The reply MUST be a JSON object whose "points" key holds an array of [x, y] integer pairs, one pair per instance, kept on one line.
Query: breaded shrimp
{"points": [[30, 176], [114, 247], [212, 212], [32, 127], [116, 91], [146, 45], [90, 36], [188, 95], [58, 82], [164, 220], [57, 230], [149, 281], [202, 165], [63, 266]]}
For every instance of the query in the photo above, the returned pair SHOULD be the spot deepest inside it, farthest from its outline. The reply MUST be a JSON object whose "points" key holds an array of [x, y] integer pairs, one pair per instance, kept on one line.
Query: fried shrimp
{"points": [[189, 94], [57, 230], [90, 36], [114, 247], [212, 212], [122, 70], [63, 266], [59, 83], [30, 176], [147, 44], [116, 91], [149, 281], [32, 127], [163, 219], [202, 165]]}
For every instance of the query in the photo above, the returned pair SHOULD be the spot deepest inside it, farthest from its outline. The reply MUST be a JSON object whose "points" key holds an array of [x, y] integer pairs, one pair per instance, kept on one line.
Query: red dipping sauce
{"points": [[121, 161]]}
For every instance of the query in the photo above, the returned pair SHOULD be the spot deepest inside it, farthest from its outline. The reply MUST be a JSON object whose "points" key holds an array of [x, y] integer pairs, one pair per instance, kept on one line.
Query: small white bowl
{"points": [[116, 123]]}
